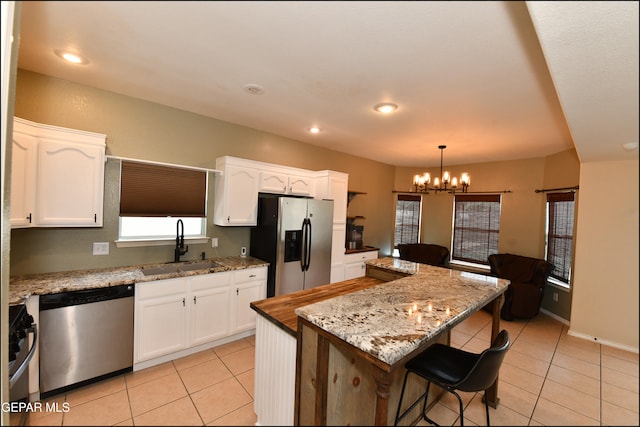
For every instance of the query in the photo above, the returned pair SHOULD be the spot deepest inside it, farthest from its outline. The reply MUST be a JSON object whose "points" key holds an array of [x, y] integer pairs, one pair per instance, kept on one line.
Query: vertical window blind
{"points": [[408, 210], [476, 227], [148, 190], [560, 233]]}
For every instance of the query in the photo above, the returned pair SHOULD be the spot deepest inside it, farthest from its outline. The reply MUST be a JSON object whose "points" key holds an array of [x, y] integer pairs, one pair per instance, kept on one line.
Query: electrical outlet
{"points": [[243, 251], [101, 248], [214, 242], [555, 297]]}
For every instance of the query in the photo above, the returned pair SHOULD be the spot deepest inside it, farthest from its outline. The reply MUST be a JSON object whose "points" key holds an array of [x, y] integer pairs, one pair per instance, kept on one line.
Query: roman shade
{"points": [[408, 210], [158, 191], [560, 233], [476, 227]]}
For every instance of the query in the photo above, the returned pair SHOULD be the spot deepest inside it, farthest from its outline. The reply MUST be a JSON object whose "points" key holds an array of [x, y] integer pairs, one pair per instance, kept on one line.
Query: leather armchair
{"points": [[528, 277], [425, 253]]}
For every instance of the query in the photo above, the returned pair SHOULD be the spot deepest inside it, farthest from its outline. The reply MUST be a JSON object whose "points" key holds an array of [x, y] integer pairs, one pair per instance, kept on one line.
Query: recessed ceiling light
{"points": [[385, 107], [74, 58], [254, 89], [314, 130]]}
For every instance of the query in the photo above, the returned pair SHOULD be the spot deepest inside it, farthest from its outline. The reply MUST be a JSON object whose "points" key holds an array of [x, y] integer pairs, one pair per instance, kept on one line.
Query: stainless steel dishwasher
{"points": [[85, 336]]}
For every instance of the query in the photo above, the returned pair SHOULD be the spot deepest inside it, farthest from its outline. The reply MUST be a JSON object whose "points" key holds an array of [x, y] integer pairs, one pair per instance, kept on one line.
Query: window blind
{"points": [[560, 233], [407, 228], [476, 227], [154, 191]]}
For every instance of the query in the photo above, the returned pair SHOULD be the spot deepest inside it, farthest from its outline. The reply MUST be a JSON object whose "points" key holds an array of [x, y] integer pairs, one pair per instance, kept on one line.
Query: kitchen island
{"points": [[350, 349]]}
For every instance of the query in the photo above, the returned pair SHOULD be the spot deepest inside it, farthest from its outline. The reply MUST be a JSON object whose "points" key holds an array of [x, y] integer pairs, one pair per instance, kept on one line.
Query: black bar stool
{"points": [[454, 369]]}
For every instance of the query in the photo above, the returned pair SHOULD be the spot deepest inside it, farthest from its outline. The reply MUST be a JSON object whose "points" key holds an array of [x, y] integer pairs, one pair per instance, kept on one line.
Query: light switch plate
{"points": [[101, 248]]}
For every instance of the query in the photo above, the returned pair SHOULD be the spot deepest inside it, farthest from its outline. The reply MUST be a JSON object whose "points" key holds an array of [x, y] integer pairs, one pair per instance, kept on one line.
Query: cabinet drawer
{"points": [[211, 280], [159, 288], [251, 274], [360, 256]]}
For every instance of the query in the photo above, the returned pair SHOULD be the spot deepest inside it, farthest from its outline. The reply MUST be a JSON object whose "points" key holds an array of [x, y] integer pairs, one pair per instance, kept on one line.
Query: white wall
{"points": [[605, 294]]}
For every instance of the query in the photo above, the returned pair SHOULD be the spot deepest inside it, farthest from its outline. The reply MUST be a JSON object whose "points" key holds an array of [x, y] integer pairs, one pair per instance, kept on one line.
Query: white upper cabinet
{"points": [[24, 157], [332, 185], [273, 183], [237, 188], [57, 176], [283, 183], [236, 197]]}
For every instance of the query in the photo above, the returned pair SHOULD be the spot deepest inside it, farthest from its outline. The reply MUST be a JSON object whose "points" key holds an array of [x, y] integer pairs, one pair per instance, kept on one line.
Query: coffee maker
{"points": [[354, 236]]}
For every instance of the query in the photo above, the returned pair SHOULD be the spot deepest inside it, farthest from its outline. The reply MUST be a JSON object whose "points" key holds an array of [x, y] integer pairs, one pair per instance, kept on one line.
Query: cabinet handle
{"points": [[194, 299], [229, 219], [95, 217], [284, 188], [237, 291], [252, 275], [29, 217], [183, 302]]}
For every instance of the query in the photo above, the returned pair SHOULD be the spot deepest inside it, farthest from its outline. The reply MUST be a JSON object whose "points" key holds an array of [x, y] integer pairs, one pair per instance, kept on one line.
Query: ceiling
{"points": [[490, 80]]}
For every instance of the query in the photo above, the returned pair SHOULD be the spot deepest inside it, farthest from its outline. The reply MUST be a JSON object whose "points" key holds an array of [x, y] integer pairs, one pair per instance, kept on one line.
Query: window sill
{"points": [[134, 243], [470, 267], [558, 284]]}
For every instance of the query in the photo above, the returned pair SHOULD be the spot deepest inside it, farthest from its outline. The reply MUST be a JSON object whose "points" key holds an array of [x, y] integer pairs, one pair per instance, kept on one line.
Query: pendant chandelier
{"points": [[422, 183]]}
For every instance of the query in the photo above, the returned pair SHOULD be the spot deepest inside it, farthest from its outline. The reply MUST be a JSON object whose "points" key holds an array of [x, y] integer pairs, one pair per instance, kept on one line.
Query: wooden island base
{"points": [[307, 375], [357, 390]]}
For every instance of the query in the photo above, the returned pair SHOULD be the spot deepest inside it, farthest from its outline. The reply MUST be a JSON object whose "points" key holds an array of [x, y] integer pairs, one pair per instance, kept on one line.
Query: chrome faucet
{"points": [[180, 249]]}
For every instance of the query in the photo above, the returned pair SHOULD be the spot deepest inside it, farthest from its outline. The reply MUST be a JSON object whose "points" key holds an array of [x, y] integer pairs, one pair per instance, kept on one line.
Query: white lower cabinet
{"points": [[160, 319], [354, 264], [175, 316], [249, 285], [209, 301]]}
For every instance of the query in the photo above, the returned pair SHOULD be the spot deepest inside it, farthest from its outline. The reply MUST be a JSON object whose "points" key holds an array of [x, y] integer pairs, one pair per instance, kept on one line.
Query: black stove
{"points": [[21, 349], [20, 321]]}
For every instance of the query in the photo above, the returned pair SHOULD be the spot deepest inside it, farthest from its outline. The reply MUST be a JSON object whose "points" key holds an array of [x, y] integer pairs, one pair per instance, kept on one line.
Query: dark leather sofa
{"points": [[528, 277], [425, 253]]}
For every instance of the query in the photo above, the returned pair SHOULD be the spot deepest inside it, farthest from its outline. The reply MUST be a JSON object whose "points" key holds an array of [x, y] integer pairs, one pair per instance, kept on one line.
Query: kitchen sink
{"points": [[204, 265], [163, 269]]}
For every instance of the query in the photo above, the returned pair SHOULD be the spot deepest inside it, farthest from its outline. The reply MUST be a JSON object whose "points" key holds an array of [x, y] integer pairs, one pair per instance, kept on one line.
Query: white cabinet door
{"points": [[236, 197], [57, 176], [209, 307], [271, 182], [250, 285], [300, 185], [160, 319], [24, 157], [70, 184]]}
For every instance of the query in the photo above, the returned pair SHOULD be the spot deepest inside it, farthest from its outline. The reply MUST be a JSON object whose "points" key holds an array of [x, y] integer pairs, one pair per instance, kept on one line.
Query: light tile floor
{"points": [[547, 378]]}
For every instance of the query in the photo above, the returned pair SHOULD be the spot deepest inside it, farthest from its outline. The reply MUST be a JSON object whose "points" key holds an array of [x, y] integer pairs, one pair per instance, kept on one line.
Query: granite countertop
{"points": [[21, 287], [390, 320]]}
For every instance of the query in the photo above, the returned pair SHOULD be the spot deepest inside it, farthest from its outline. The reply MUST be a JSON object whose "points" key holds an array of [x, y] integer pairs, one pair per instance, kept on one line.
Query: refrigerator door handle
{"points": [[305, 246], [308, 261]]}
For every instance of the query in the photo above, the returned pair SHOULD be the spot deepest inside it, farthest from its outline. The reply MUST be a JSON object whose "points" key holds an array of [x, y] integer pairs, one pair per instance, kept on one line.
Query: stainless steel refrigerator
{"points": [[294, 235]]}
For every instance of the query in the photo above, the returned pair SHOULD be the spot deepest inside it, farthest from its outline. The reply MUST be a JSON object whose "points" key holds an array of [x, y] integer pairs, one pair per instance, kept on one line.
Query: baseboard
{"points": [[603, 342], [555, 316]]}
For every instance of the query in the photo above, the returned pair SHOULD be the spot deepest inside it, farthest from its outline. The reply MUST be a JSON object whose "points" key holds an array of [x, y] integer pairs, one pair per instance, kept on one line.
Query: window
{"points": [[408, 211], [476, 227], [559, 239], [149, 228], [154, 197]]}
